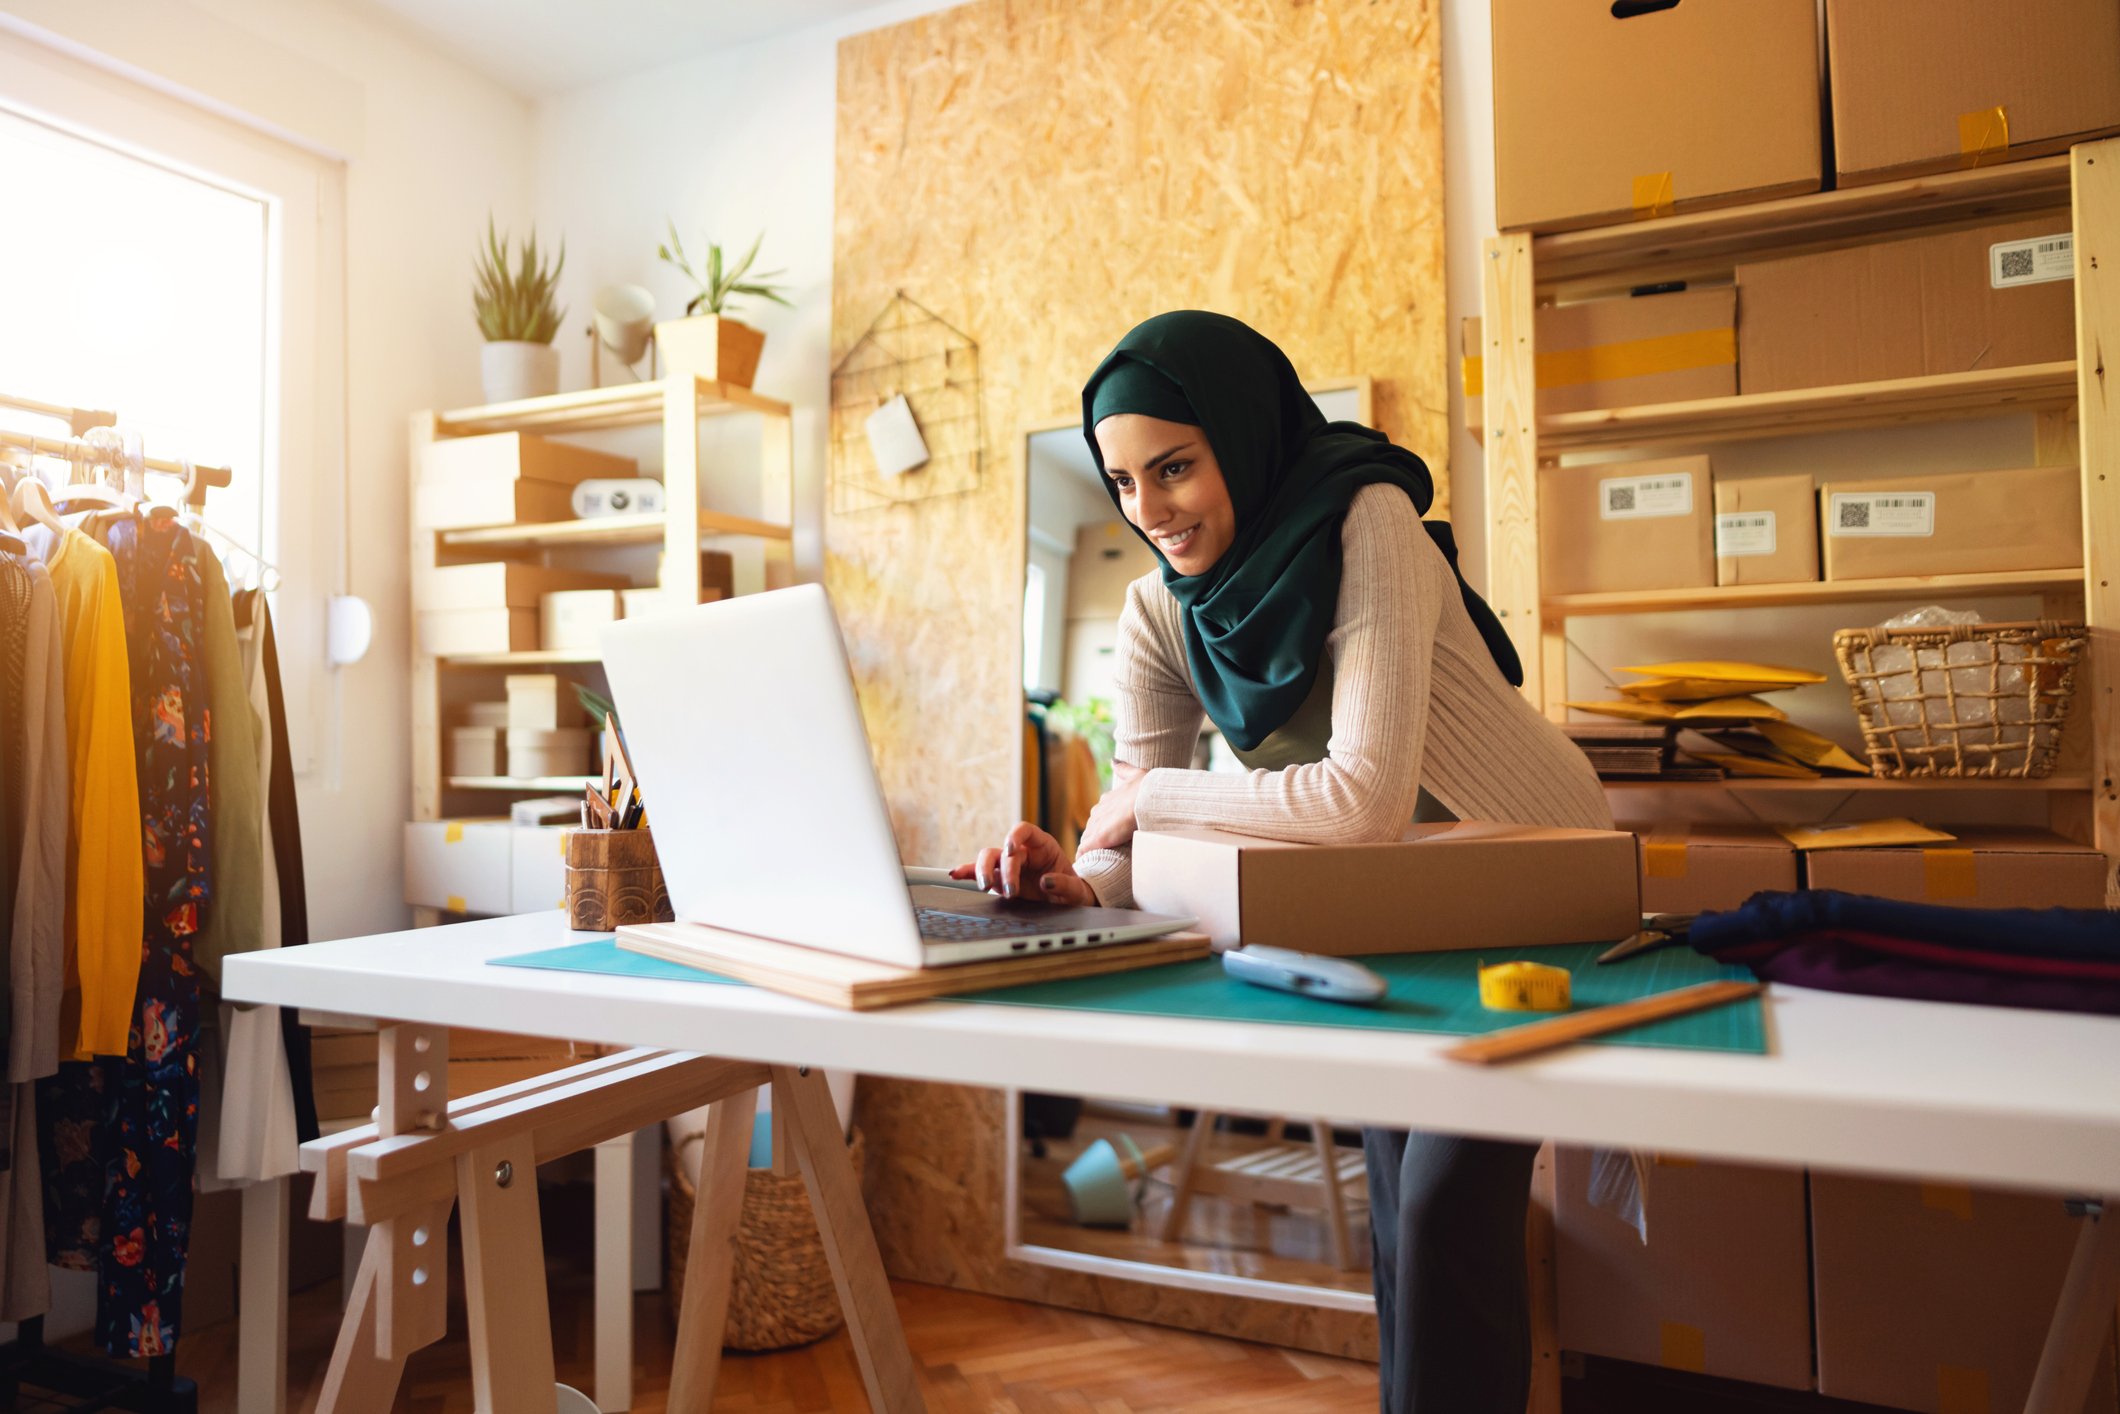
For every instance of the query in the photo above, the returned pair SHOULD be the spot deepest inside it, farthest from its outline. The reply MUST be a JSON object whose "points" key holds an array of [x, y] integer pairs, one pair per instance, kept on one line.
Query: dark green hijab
{"points": [[1256, 623]]}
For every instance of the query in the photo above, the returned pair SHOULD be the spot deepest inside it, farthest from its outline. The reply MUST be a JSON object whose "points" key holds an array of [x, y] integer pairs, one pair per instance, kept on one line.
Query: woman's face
{"points": [[1170, 487]]}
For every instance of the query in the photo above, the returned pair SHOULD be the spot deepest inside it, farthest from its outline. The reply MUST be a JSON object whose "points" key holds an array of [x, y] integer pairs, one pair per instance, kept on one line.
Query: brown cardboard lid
{"points": [[1710, 834], [1990, 839], [1438, 832]]}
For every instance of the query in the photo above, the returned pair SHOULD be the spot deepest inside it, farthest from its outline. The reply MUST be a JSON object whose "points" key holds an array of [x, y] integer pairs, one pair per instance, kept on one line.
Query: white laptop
{"points": [[741, 719]]}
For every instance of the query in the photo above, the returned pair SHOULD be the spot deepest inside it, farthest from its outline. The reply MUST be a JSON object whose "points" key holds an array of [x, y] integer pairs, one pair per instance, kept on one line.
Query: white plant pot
{"points": [[512, 368]]}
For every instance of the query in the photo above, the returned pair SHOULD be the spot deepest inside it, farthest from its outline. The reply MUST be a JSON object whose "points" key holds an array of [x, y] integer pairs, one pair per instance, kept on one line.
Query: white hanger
{"points": [[32, 499], [104, 450]]}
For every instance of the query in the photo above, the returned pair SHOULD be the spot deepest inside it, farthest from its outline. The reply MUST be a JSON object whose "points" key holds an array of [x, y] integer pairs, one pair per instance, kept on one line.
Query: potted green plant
{"points": [[517, 315], [707, 343]]}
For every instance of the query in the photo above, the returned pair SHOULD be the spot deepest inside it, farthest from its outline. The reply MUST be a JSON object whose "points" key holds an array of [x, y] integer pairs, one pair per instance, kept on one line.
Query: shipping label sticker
{"points": [[2033, 261], [1911, 513], [1640, 497], [1741, 533]]}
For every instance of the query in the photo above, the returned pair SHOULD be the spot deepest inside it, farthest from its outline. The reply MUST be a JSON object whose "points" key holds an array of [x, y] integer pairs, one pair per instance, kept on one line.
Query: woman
{"points": [[1306, 609]]}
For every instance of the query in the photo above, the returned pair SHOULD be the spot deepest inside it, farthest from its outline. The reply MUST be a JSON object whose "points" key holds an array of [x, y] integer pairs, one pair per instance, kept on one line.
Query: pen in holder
{"points": [[613, 880]]}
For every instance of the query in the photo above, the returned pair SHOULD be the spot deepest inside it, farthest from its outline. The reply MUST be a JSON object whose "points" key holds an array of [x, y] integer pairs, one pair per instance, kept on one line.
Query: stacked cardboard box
{"points": [[1934, 85], [1937, 1297], [1717, 1287], [1625, 526], [502, 478], [1610, 112], [1696, 867], [1986, 866], [1766, 530], [1608, 353], [1942, 303], [1965, 522]]}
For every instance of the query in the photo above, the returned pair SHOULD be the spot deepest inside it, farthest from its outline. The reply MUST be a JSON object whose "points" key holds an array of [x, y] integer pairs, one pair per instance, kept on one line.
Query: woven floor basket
{"points": [[780, 1293], [1966, 700]]}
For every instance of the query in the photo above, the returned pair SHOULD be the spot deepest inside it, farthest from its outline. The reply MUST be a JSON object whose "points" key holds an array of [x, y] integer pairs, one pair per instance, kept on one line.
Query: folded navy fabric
{"points": [[2057, 959]]}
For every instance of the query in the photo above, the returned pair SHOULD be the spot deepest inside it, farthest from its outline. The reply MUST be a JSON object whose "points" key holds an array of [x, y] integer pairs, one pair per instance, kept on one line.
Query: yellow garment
{"points": [[105, 876]]}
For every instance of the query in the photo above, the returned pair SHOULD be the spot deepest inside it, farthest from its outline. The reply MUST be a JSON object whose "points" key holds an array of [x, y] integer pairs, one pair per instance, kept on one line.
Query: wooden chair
{"points": [[1292, 1175]]}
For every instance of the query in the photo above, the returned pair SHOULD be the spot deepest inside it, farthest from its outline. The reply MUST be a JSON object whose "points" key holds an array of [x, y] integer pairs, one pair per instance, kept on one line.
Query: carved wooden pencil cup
{"points": [[613, 880]]}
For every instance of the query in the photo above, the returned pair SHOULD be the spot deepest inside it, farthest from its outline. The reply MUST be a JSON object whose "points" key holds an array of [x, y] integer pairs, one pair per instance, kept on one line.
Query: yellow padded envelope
{"points": [[1727, 670]]}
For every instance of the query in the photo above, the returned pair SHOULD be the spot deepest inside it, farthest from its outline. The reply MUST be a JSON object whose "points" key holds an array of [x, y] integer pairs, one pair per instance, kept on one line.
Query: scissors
{"points": [[1658, 930]]}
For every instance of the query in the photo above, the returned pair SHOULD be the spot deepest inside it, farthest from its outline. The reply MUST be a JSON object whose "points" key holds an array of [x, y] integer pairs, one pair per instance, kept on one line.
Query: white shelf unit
{"points": [[2077, 403], [678, 403]]}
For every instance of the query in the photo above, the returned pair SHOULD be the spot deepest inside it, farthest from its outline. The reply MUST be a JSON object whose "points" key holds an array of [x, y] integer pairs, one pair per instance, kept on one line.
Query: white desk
{"points": [[1972, 1094]]}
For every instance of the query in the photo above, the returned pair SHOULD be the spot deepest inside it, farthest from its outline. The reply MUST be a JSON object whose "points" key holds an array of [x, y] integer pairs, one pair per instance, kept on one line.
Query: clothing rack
{"points": [[35, 1377], [81, 421]]}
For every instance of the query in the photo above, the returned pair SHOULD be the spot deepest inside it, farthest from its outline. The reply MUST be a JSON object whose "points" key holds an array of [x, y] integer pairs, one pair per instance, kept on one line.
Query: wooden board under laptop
{"points": [[861, 984]]}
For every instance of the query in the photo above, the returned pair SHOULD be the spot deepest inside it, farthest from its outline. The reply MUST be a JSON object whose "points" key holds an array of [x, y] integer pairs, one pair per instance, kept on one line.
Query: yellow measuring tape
{"points": [[1524, 986]]}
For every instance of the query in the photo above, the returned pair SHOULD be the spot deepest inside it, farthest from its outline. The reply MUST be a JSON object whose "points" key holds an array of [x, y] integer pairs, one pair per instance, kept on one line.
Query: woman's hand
{"points": [[1028, 865], [1111, 824]]}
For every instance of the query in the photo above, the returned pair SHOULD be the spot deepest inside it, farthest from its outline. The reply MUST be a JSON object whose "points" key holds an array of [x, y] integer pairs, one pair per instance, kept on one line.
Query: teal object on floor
{"points": [[1435, 992]]}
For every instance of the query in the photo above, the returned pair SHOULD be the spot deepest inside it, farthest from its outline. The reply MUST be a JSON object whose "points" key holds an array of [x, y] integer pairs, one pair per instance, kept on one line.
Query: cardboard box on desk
{"points": [[1696, 867], [1966, 522], [1944, 303], [1440, 887], [1602, 115], [1988, 866], [1935, 85], [1766, 530], [1936, 1296], [1610, 353], [1721, 1287], [1625, 526]]}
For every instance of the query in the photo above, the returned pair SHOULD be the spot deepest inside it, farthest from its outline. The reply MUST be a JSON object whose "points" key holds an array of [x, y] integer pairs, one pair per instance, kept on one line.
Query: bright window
{"points": [[187, 273], [147, 297]]}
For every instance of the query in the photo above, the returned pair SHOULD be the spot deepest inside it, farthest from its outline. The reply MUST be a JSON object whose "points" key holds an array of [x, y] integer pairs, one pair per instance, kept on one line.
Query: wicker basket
{"points": [[1966, 700], [780, 1290]]}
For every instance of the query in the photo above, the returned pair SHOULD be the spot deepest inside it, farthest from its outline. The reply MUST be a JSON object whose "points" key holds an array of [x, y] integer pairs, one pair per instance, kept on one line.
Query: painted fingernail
{"points": [[1049, 882]]}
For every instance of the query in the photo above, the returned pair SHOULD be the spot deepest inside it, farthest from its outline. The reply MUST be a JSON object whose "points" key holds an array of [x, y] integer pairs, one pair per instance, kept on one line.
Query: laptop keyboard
{"points": [[945, 927]]}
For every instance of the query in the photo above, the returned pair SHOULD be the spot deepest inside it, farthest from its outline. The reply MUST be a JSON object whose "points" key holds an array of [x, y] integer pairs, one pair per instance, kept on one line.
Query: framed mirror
{"points": [[1229, 1204]]}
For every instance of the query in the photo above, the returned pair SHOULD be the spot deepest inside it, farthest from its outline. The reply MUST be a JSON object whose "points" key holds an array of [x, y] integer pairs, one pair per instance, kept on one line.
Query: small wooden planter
{"points": [[613, 881]]}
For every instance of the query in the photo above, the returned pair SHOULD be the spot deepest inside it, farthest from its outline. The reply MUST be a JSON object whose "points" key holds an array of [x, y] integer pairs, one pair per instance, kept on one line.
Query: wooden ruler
{"points": [[1539, 1036]]}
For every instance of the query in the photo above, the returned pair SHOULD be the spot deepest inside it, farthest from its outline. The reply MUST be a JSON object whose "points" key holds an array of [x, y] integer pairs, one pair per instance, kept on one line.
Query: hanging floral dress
{"points": [[135, 1120]]}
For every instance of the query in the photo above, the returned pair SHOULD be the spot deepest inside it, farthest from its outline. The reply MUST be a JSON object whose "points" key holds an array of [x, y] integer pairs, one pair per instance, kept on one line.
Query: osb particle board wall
{"points": [[1043, 174]]}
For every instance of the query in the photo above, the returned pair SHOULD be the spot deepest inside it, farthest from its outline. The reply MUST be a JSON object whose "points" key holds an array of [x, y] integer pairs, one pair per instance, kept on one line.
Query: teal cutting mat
{"points": [[1430, 992]]}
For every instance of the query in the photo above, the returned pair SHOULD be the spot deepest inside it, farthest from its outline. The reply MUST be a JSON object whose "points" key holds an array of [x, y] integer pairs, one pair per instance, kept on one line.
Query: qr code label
{"points": [[1641, 497], [1879, 513], [1739, 534], [2032, 262]]}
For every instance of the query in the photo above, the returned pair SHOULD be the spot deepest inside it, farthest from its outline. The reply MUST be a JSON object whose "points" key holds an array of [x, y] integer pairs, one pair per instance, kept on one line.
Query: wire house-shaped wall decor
{"points": [[909, 350]]}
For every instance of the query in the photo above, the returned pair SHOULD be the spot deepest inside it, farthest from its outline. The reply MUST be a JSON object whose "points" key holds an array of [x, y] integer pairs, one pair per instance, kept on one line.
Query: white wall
{"points": [[727, 145]]}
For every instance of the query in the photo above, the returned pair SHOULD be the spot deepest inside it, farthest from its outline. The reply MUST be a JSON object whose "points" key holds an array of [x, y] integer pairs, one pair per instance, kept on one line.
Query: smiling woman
{"points": [[1305, 607], [1177, 498]]}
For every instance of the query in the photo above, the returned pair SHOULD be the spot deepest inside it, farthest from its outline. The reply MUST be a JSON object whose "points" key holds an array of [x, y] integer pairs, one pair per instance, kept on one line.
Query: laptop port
{"points": [[1095, 938], [1067, 942], [1045, 942], [1017, 947]]}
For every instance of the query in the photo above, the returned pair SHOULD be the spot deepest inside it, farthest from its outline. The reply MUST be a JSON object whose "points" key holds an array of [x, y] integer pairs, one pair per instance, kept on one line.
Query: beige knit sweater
{"points": [[1416, 701]]}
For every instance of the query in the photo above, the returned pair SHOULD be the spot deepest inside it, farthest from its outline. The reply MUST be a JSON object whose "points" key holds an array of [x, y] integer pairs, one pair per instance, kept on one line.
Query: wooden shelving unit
{"points": [[1836, 784], [1843, 591], [677, 403], [519, 785], [2077, 404]]}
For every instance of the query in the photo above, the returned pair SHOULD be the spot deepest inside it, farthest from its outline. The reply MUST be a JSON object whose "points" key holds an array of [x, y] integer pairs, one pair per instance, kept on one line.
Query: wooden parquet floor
{"points": [[977, 1355]]}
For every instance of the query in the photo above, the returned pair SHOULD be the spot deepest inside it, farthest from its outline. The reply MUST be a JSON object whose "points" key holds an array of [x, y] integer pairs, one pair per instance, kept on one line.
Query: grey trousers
{"points": [[1446, 1217]]}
